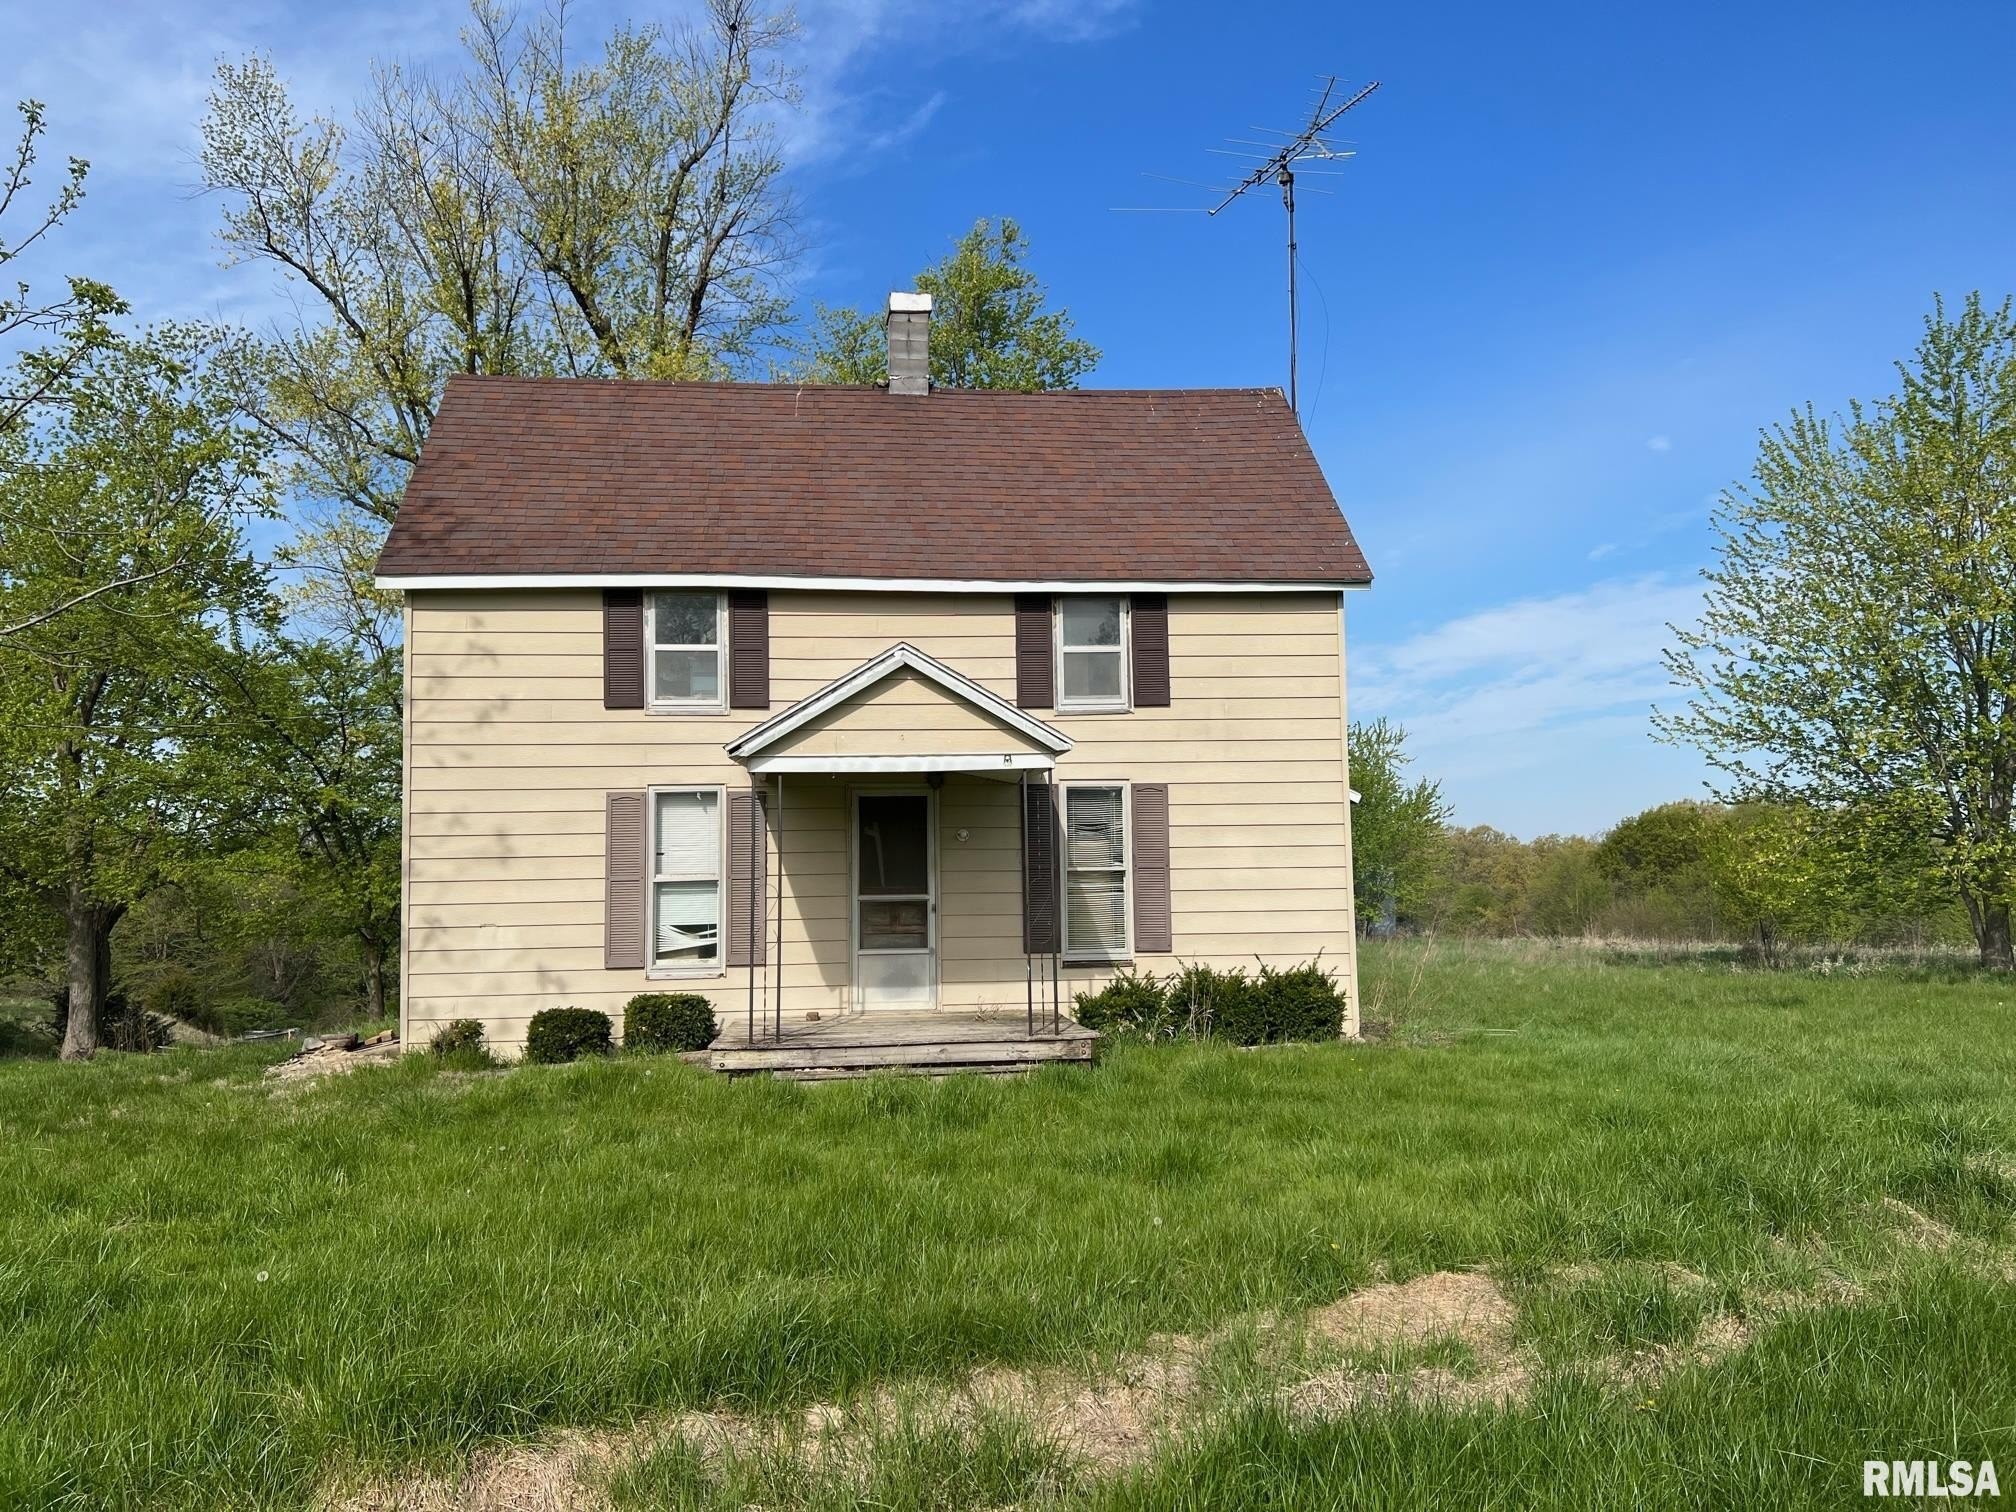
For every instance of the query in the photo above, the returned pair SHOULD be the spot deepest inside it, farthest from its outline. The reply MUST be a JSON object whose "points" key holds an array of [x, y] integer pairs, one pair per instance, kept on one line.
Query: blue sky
{"points": [[1584, 253]]}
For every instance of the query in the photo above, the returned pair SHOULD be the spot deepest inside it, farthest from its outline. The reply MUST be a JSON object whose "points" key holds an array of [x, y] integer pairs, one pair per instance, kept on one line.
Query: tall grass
{"points": [[1923, 1373], [212, 1292]]}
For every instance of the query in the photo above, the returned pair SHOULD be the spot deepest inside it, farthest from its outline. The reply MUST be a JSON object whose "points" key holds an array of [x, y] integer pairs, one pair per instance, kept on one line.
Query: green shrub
{"points": [[1127, 1003], [175, 994], [1218, 1004], [565, 1034], [242, 1015], [1200, 1002], [1299, 1003], [460, 1040], [656, 1022]]}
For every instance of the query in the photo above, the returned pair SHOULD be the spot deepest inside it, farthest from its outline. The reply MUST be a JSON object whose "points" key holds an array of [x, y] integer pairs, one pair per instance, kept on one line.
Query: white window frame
{"points": [[1064, 703], [685, 970], [714, 705], [1091, 954]]}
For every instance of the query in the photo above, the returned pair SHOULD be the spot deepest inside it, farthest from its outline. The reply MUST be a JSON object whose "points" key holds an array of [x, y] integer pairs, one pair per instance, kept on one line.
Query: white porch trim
{"points": [[872, 671], [983, 763]]}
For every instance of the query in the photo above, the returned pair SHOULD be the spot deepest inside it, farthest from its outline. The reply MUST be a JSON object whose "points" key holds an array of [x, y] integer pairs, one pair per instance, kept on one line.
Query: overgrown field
{"points": [[1736, 1231]]}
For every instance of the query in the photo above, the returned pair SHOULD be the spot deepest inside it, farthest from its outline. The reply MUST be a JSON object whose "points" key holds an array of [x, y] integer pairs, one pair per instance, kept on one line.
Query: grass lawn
{"points": [[213, 1293]]}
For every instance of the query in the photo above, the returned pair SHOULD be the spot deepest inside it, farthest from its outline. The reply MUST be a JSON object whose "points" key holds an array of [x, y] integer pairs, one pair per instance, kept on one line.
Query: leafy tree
{"points": [[991, 327], [530, 214], [1396, 826], [61, 329], [1483, 883], [1658, 861], [141, 475], [1771, 880], [1567, 893], [314, 752], [51, 336], [1858, 643], [846, 346]]}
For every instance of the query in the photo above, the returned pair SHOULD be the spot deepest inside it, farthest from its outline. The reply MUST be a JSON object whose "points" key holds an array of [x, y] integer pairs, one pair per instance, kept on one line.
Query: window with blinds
{"points": [[686, 877], [1095, 872]]}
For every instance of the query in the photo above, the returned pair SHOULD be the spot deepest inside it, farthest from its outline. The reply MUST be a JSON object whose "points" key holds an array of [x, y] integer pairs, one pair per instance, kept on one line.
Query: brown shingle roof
{"points": [[547, 476]]}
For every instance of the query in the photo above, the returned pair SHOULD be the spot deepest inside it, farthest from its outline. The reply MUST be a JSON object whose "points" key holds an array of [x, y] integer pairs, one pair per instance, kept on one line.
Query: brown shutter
{"points": [[1042, 919], [1151, 650], [1154, 933], [748, 649], [747, 875], [626, 841], [622, 648], [1035, 670]]}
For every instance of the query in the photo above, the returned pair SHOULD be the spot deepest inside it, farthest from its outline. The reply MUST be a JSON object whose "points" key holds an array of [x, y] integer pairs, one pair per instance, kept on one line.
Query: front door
{"points": [[895, 903]]}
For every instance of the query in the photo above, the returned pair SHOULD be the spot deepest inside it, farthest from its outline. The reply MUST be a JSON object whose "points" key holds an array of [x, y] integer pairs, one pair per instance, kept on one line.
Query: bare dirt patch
{"points": [[1105, 1422], [1920, 1230], [1462, 1305], [1466, 1307]]}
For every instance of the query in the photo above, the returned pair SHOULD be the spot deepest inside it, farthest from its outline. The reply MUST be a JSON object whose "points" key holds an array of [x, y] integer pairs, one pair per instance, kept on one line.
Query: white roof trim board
{"points": [[1006, 763], [750, 742], [397, 583]]}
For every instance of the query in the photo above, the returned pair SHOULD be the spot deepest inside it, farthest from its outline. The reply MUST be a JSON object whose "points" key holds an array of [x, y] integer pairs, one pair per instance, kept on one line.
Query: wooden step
{"points": [[931, 1073], [911, 1055]]}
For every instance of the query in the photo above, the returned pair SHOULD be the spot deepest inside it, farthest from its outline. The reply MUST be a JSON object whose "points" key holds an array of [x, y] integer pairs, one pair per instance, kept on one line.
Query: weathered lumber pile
{"points": [[336, 1053]]}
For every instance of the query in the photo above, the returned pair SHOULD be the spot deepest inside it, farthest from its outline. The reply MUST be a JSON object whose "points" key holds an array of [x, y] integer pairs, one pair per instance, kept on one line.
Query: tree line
{"points": [[1761, 876], [1851, 680]]}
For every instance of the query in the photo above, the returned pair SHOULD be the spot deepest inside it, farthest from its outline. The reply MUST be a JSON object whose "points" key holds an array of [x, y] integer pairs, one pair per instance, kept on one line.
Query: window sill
{"points": [[1098, 960], [685, 973], [686, 711], [1094, 709]]}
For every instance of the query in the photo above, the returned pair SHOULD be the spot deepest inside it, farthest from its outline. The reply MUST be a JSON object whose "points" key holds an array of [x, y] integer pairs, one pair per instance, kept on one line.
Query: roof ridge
{"points": [[753, 385]]}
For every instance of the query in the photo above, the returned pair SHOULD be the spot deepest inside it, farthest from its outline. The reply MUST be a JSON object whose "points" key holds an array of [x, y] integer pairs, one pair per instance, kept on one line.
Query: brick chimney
{"points": [[909, 326]]}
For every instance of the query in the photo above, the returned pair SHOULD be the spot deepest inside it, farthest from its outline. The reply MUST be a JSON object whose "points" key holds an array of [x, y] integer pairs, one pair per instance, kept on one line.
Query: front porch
{"points": [[937, 1043], [886, 912]]}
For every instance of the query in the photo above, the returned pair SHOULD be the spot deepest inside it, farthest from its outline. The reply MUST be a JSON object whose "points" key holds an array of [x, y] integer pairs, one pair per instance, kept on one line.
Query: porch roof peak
{"points": [[1038, 745]]}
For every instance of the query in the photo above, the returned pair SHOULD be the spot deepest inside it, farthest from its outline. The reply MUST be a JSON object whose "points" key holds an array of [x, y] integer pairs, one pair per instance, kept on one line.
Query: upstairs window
{"points": [[1096, 912], [1092, 652], [686, 878], [687, 632]]}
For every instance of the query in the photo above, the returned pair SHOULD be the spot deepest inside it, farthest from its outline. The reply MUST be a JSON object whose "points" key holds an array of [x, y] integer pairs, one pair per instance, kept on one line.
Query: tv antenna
{"points": [[1277, 164]]}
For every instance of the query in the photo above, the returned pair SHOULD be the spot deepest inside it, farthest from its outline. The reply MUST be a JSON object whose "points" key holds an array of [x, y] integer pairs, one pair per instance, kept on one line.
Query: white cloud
{"points": [[1074, 20], [841, 41], [1538, 683], [1597, 553], [1659, 443], [909, 127]]}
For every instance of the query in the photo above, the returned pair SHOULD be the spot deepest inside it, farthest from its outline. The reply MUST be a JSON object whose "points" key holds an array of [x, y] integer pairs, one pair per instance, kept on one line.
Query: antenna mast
{"points": [[1280, 168]]}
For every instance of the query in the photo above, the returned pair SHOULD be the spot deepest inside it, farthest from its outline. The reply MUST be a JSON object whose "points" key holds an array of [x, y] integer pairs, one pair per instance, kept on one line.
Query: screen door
{"points": [[895, 913]]}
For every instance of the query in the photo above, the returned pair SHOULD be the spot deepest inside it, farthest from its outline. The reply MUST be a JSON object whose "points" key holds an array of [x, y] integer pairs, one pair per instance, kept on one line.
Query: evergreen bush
{"points": [[557, 1035], [657, 1022]]}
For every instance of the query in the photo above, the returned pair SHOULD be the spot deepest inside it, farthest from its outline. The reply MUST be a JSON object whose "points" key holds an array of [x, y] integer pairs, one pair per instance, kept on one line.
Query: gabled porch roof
{"points": [[901, 711]]}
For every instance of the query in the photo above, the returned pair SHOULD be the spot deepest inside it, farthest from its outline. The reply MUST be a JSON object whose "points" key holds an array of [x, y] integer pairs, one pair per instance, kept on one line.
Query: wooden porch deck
{"points": [[934, 1044]]}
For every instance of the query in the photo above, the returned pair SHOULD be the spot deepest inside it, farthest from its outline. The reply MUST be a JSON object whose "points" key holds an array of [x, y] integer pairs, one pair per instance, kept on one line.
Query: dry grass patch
{"points": [[1449, 1339]]}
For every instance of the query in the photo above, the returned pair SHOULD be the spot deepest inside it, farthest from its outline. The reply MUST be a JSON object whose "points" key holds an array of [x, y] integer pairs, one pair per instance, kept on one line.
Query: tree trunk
{"points": [[374, 979], [1991, 932], [88, 974]]}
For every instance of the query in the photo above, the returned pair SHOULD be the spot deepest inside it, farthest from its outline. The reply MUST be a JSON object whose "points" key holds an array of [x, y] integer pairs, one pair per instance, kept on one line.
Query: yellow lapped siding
{"points": [[511, 753]]}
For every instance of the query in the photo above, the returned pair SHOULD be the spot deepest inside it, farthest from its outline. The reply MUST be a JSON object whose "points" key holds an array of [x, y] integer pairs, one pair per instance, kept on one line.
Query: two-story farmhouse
{"points": [[843, 704]]}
